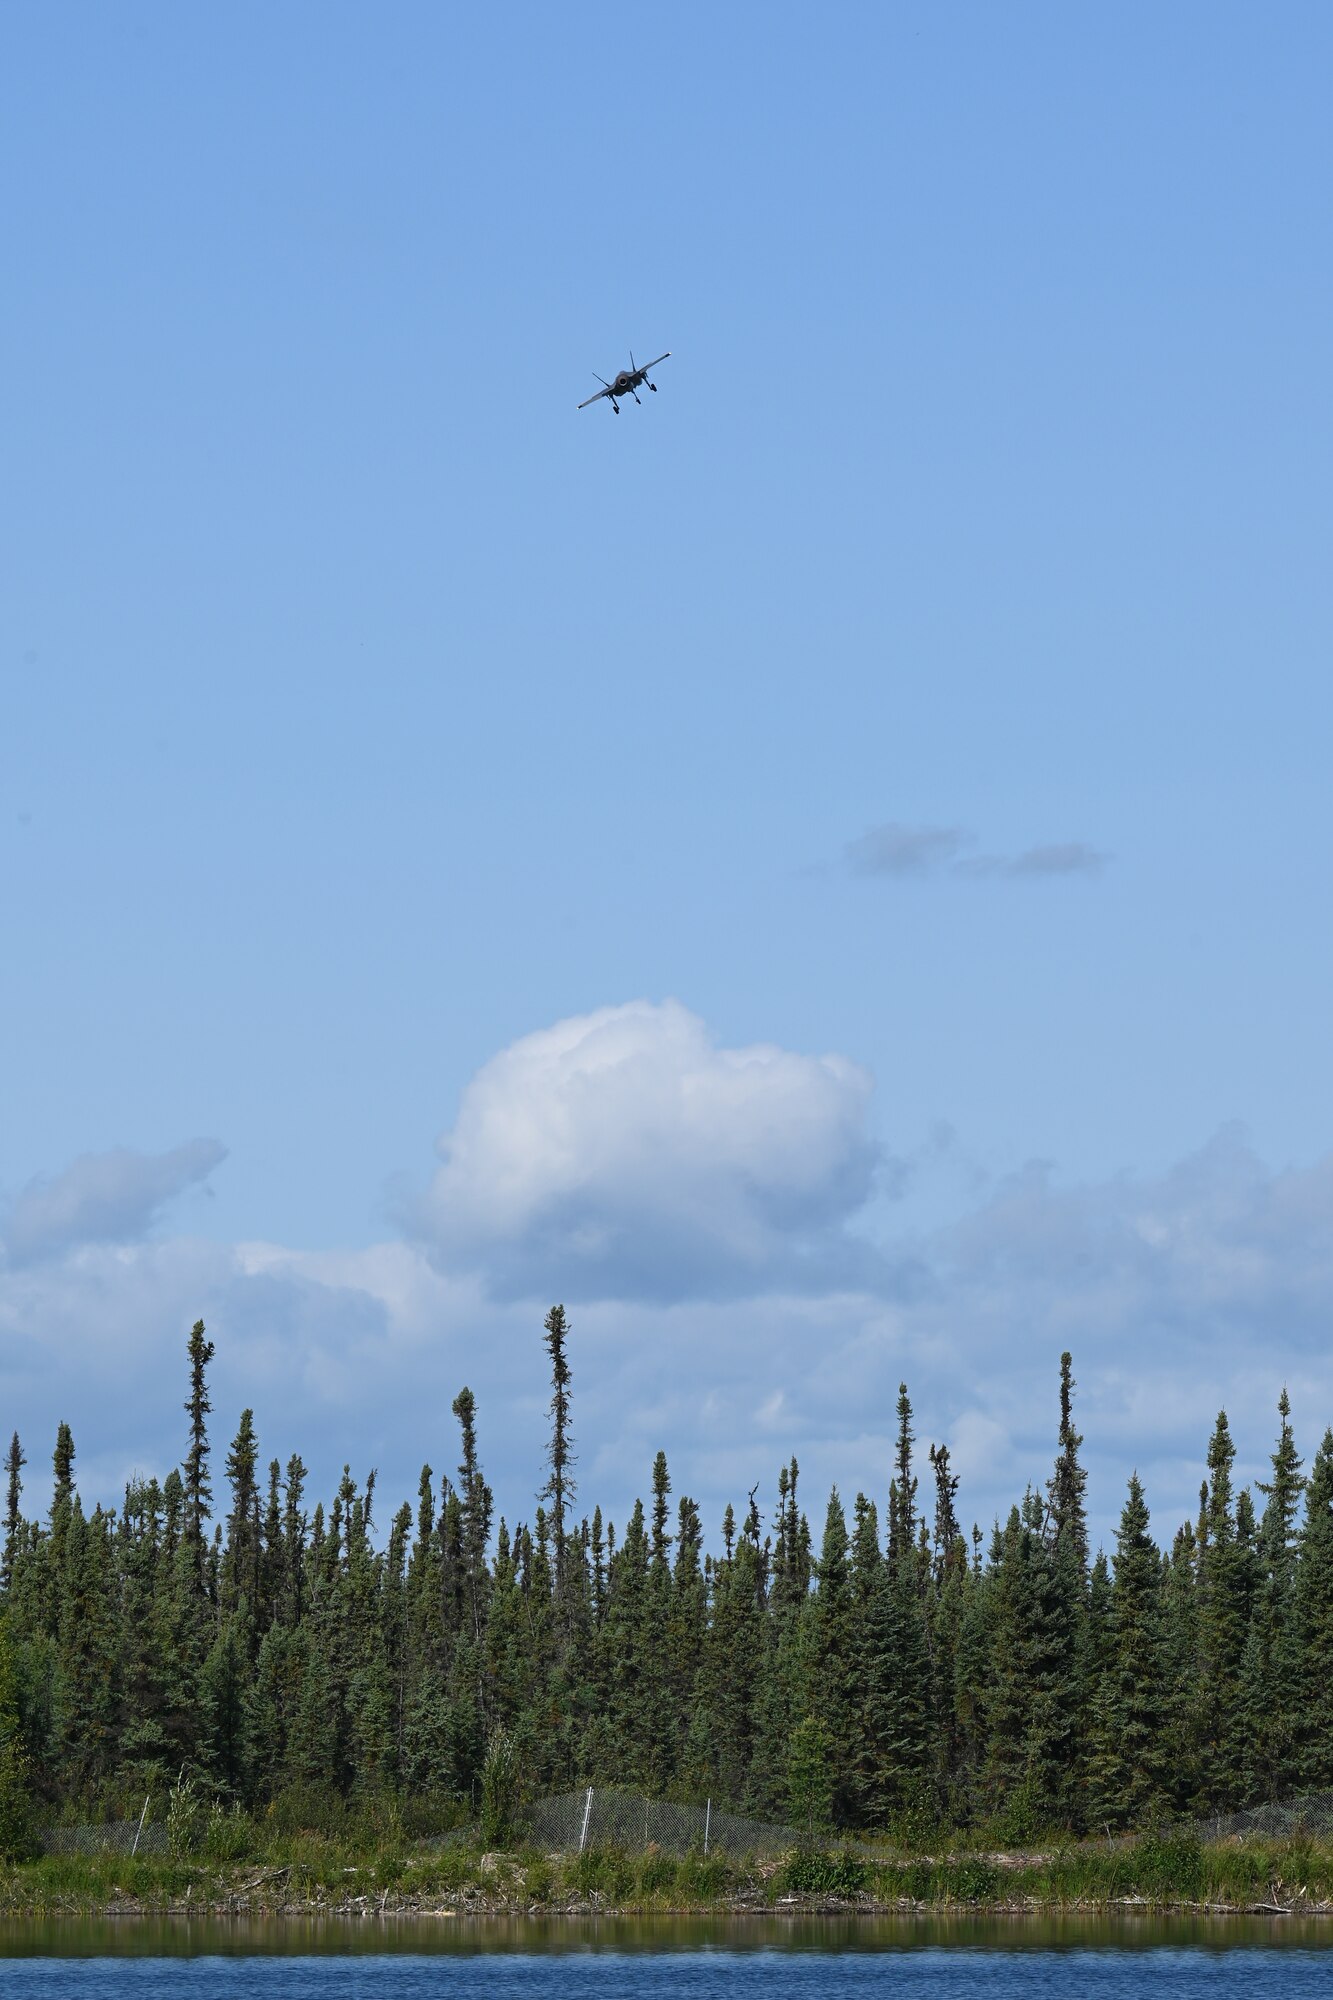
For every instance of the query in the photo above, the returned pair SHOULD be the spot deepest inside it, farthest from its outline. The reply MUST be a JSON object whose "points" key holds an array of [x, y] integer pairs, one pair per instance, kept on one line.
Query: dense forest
{"points": [[888, 1673]]}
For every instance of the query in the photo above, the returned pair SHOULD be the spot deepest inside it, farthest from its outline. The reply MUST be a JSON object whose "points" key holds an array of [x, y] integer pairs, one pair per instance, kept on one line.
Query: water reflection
{"points": [[308, 1936]]}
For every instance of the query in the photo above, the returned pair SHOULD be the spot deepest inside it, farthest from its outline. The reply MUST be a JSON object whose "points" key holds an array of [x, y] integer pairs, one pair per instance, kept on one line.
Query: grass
{"points": [[266, 1867]]}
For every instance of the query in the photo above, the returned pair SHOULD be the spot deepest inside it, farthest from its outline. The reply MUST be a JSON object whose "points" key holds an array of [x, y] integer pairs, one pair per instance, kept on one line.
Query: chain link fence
{"points": [[603, 1816], [1311, 1813]]}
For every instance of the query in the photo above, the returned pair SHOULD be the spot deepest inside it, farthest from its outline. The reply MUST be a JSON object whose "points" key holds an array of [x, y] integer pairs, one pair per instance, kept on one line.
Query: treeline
{"points": [[888, 1674]]}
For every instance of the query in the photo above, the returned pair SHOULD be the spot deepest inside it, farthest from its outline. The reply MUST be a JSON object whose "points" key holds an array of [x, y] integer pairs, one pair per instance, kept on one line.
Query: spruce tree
{"points": [[902, 1491], [1271, 1694], [1313, 1609], [241, 1563], [198, 1492], [1131, 1707], [894, 1681], [740, 1690], [267, 1707], [475, 1503], [1029, 1774], [629, 1639], [687, 1620], [14, 1464], [1066, 1488], [294, 1530], [272, 1561], [949, 1548], [222, 1688], [830, 1653], [1226, 1586], [17, 1839], [87, 1692], [62, 1496], [559, 1488]]}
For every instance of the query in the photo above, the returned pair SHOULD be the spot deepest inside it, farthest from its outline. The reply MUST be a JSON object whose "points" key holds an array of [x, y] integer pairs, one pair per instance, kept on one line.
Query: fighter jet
{"points": [[627, 381]]}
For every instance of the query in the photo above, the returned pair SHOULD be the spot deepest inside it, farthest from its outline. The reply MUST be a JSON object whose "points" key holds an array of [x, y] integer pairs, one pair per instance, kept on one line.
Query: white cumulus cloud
{"points": [[622, 1153]]}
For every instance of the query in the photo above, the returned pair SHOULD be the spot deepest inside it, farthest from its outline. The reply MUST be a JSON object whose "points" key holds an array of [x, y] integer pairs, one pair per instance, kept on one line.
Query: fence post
{"points": [[708, 1821], [587, 1815], [139, 1829]]}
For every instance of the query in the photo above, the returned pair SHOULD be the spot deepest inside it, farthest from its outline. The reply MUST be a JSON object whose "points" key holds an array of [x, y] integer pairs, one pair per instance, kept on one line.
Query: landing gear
{"points": [[653, 387], [616, 408]]}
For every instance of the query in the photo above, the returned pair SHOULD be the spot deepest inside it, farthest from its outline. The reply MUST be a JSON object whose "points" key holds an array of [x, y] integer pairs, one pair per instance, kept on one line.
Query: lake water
{"points": [[939, 1958]]}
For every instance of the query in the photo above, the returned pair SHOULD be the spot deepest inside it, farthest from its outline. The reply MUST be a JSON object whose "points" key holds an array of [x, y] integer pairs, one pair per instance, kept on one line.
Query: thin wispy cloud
{"points": [[112, 1197], [895, 850]]}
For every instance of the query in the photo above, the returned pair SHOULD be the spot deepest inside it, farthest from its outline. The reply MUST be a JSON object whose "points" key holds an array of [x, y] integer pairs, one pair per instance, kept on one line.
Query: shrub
{"points": [[812, 1872], [1022, 1818], [539, 1880], [657, 1871], [1168, 1865], [499, 1790], [18, 1839], [186, 1818], [700, 1877], [918, 1880], [602, 1871], [227, 1835], [971, 1880]]}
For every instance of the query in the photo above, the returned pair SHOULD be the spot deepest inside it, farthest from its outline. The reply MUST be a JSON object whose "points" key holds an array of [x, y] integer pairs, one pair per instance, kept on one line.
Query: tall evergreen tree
{"points": [[62, 1494], [1313, 1617], [198, 1491], [294, 1530], [559, 1488], [1067, 1484], [1031, 1695], [14, 1464], [902, 1491], [1226, 1583], [1130, 1708], [475, 1504], [1271, 1693], [830, 1650], [893, 1678], [241, 1564], [948, 1536], [17, 1839]]}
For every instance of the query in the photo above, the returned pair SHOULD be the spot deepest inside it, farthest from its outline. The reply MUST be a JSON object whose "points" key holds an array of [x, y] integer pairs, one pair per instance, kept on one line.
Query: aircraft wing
{"points": [[595, 399], [652, 364]]}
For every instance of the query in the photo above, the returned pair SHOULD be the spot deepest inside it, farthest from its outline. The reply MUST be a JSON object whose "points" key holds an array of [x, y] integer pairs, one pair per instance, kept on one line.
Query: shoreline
{"points": [[306, 1878]]}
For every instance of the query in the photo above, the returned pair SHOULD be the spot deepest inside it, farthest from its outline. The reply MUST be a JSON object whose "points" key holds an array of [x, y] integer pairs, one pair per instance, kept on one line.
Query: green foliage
{"points": [[348, 1684], [815, 1872], [187, 1818], [810, 1775], [607, 1872], [228, 1833], [1169, 1866], [17, 1834], [500, 1790], [701, 1878], [657, 1872], [18, 1838], [538, 1879], [971, 1880]]}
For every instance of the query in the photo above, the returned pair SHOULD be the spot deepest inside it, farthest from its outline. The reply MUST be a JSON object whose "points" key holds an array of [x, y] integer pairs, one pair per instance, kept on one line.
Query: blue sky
{"points": [[927, 690]]}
